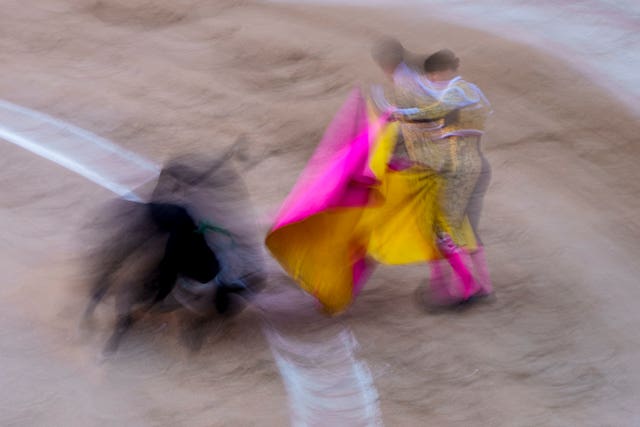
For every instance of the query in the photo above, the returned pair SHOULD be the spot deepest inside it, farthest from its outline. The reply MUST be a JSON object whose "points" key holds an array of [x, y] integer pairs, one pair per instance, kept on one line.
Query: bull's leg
{"points": [[123, 324], [230, 297], [127, 297], [96, 296]]}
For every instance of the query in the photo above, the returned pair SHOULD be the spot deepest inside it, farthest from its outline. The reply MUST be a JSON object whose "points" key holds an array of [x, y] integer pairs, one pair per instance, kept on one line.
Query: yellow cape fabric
{"points": [[396, 227]]}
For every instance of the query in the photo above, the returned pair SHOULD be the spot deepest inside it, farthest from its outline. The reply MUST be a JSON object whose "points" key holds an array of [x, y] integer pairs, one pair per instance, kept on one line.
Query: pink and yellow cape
{"points": [[349, 208]]}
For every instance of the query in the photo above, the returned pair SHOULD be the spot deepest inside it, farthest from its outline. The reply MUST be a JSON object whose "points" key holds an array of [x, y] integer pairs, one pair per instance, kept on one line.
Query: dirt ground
{"points": [[561, 221]]}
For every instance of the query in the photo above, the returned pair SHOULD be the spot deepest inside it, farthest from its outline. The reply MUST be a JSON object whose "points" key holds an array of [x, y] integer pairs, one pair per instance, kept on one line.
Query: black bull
{"points": [[197, 227]]}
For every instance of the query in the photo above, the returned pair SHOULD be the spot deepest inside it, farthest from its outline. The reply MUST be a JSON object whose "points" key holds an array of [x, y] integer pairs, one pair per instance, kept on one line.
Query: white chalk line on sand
{"points": [[324, 379], [70, 164], [82, 133], [325, 382], [76, 149]]}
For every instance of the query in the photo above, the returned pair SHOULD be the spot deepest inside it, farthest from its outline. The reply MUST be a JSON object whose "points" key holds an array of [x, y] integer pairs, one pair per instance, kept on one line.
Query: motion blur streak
{"points": [[326, 383]]}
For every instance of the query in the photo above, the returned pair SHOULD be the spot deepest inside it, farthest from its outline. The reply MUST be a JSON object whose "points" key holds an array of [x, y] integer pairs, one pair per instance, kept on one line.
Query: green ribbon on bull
{"points": [[205, 226]]}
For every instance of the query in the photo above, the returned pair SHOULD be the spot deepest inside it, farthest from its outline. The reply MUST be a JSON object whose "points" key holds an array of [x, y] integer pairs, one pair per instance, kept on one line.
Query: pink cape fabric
{"points": [[336, 181], [338, 174], [339, 216]]}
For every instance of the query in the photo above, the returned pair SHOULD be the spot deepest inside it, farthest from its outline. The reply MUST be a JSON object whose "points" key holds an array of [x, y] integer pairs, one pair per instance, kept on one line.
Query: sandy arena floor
{"points": [[561, 220]]}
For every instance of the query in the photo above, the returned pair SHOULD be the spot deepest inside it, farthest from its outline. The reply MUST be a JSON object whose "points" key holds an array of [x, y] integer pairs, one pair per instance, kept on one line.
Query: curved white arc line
{"points": [[324, 379], [102, 142], [68, 163]]}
